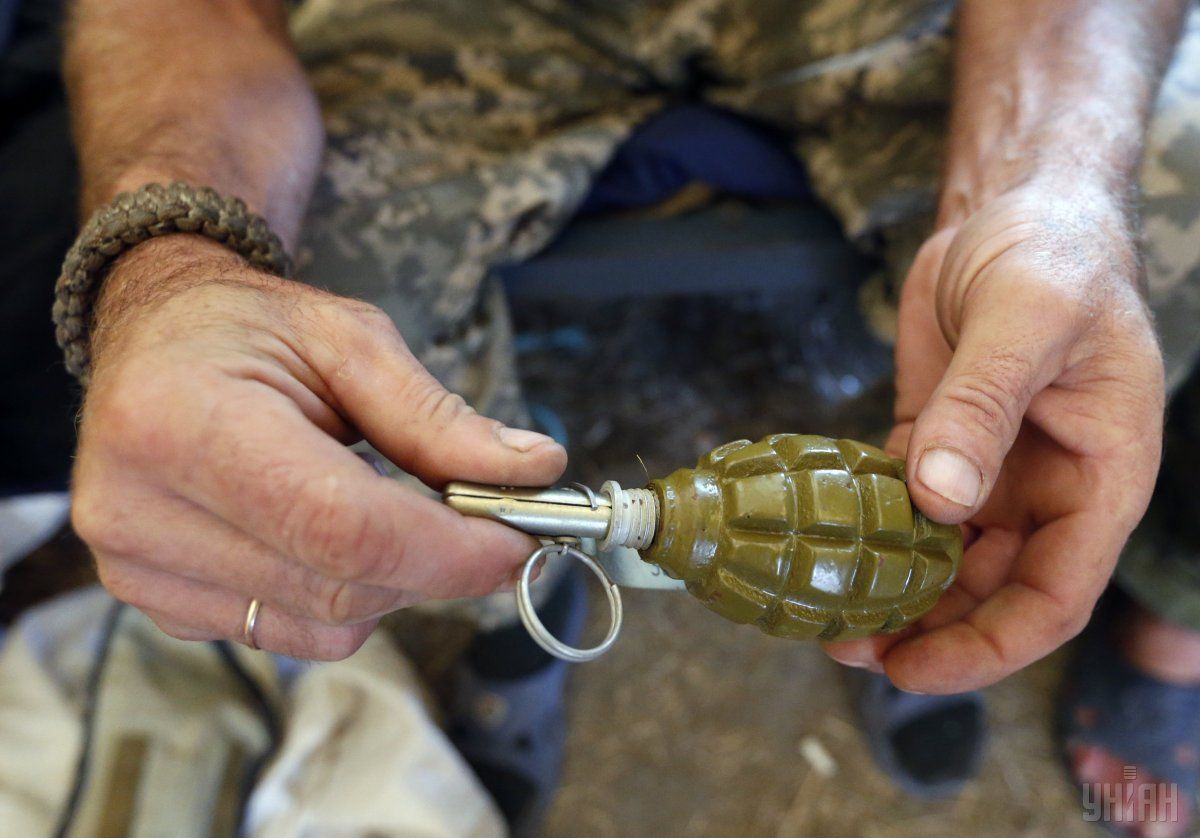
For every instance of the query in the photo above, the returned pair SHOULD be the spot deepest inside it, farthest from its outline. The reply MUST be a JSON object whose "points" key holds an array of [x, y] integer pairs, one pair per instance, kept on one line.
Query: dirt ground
{"points": [[692, 726], [689, 728]]}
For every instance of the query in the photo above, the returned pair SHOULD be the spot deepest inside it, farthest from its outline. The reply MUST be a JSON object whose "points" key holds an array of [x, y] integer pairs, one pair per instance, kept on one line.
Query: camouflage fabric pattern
{"points": [[1161, 565], [464, 133], [1171, 208]]}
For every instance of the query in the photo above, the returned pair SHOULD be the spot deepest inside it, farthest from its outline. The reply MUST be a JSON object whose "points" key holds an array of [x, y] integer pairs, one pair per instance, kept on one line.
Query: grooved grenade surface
{"points": [[804, 536]]}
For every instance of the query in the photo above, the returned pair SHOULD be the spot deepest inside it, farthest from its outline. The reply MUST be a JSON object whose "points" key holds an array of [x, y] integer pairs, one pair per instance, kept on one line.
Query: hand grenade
{"points": [[803, 536]]}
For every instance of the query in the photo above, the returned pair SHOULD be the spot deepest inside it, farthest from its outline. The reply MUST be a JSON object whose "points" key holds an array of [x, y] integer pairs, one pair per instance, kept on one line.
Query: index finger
{"points": [[274, 475], [1058, 576]]}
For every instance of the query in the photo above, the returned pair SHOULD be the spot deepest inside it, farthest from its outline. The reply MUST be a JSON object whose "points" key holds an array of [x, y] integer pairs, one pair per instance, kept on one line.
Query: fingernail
{"points": [[951, 475], [521, 440], [870, 666]]}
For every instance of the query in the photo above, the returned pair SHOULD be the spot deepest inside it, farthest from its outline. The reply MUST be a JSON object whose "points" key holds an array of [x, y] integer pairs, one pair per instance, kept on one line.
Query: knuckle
{"points": [[338, 539], [994, 392], [335, 644], [432, 403], [319, 531], [87, 517], [432, 410], [370, 320], [96, 521], [346, 603], [174, 630], [984, 409], [1069, 625], [131, 418], [335, 606], [1068, 304], [122, 586]]}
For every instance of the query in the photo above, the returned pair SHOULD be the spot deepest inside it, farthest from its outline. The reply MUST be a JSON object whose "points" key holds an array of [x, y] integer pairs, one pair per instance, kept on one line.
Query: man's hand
{"points": [[212, 465], [1030, 402]]}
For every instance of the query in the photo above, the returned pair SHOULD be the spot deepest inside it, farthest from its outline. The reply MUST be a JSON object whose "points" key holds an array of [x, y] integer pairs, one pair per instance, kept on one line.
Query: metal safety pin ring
{"points": [[538, 631]]}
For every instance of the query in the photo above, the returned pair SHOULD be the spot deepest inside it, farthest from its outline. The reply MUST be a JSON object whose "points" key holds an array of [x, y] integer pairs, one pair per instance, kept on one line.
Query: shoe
{"points": [[929, 745], [1114, 719]]}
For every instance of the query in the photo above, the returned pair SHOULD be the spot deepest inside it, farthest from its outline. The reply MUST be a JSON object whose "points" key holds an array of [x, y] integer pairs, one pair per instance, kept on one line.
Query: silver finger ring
{"points": [[249, 624]]}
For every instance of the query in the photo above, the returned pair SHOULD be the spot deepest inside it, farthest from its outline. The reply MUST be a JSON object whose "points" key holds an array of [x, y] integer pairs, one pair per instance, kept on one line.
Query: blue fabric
{"points": [[691, 143], [8, 14]]}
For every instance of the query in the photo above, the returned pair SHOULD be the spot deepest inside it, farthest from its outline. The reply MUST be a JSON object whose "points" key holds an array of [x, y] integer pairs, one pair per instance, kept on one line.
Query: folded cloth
{"points": [[175, 734]]}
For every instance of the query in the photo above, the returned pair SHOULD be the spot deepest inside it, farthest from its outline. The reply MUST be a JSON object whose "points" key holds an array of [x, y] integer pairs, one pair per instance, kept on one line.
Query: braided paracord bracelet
{"points": [[132, 218]]}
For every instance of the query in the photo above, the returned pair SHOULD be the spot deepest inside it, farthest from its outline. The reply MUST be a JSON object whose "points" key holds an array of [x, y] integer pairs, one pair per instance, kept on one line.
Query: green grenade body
{"points": [[804, 536]]}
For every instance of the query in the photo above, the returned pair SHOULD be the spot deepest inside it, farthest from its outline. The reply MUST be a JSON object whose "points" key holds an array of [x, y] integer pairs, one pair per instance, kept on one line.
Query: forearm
{"points": [[205, 92], [1057, 91]]}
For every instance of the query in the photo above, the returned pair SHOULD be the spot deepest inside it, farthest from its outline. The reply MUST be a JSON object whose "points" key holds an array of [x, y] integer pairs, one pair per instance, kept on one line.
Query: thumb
{"points": [[1009, 349], [401, 409]]}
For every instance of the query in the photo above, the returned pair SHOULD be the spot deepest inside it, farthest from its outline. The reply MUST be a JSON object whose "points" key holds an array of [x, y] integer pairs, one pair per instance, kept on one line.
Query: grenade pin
{"points": [[562, 517]]}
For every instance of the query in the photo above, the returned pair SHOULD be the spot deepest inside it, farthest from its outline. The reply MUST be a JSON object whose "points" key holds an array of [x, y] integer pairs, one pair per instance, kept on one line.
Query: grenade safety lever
{"points": [[804, 536], [612, 516]]}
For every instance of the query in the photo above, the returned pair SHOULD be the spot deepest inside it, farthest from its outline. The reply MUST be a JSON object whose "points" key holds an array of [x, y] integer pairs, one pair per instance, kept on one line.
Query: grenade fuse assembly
{"points": [[803, 536]]}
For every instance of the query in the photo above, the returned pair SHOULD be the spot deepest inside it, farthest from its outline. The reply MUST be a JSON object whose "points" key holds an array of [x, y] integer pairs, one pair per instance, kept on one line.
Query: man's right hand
{"points": [[212, 465]]}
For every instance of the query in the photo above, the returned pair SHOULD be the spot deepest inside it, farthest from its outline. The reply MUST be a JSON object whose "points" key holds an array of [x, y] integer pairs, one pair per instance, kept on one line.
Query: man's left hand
{"points": [[1029, 409]]}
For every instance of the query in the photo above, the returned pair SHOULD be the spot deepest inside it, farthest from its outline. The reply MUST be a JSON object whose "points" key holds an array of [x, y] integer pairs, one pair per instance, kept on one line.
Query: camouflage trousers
{"points": [[463, 134]]}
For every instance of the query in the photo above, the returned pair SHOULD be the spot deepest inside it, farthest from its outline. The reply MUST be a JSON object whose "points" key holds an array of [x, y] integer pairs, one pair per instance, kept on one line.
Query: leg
{"points": [[1157, 670], [461, 134], [1171, 213], [1161, 566], [863, 85], [453, 145]]}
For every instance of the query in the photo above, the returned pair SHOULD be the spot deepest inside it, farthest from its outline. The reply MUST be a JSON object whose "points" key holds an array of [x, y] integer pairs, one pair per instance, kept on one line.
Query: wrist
{"points": [[133, 219], [147, 276], [968, 186], [161, 267], [1051, 93]]}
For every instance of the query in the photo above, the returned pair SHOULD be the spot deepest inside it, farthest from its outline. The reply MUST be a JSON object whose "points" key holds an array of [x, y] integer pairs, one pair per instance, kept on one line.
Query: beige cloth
{"points": [[175, 732]]}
